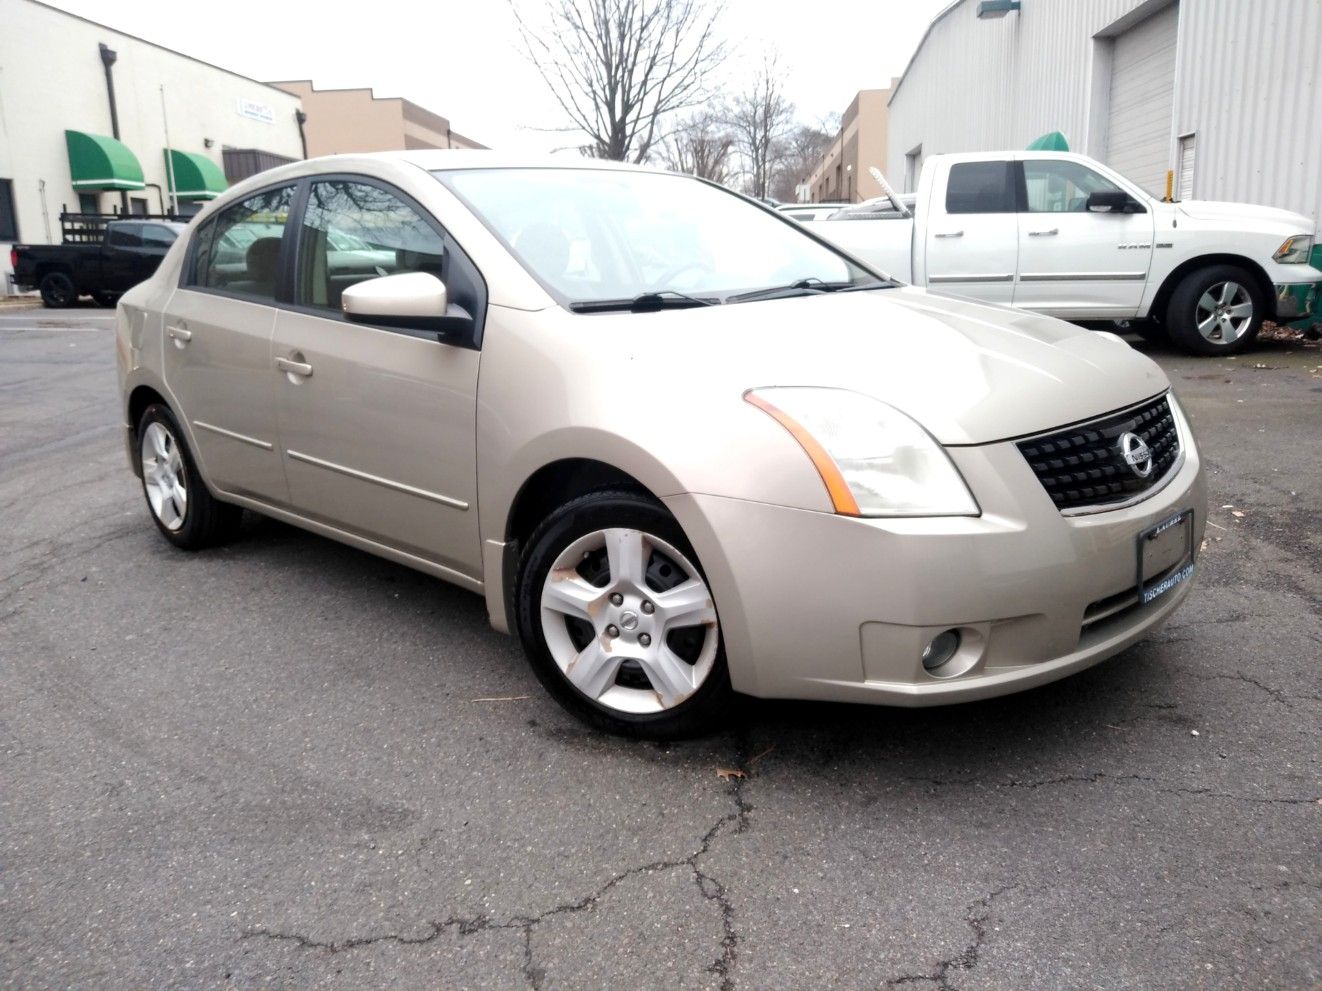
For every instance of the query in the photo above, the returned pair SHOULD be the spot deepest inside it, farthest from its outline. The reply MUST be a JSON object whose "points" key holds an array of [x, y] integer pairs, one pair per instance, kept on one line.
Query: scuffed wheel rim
{"points": [[629, 621], [163, 476], [1224, 313]]}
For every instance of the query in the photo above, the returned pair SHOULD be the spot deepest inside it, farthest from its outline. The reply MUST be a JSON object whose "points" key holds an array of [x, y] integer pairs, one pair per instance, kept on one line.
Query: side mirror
{"points": [[410, 301], [1111, 201]]}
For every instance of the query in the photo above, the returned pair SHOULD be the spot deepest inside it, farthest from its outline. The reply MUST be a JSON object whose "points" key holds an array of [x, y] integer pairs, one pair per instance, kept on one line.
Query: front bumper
{"points": [[819, 606]]}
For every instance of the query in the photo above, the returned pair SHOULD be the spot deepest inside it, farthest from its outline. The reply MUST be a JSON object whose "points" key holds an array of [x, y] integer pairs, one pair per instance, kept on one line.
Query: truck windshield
{"points": [[593, 235]]}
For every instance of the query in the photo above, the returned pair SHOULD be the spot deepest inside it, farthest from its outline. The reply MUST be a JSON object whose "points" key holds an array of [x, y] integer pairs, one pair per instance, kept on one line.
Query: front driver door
{"points": [[1075, 263], [217, 357], [377, 424]]}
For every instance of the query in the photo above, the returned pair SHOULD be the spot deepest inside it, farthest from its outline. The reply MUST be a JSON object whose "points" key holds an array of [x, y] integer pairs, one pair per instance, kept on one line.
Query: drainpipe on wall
{"points": [[108, 57], [302, 119]]}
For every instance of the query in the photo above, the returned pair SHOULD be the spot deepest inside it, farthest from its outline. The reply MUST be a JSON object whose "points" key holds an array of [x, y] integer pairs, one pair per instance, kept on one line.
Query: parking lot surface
{"points": [[285, 763]]}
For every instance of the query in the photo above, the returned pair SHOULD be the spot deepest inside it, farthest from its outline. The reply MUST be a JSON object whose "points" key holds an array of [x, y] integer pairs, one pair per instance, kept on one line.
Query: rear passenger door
{"points": [[217, 358], [378, 424], [973, 232], [121, 258]]}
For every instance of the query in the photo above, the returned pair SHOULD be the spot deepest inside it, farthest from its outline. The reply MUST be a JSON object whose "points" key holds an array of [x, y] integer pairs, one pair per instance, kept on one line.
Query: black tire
{"points": [[58, 290], [206, 520], [704, 710], [106, 299], [1182, 312]]}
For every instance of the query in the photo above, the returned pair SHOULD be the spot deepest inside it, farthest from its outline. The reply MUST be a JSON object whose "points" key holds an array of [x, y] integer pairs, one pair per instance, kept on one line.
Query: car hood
{"points": [[1247, 212], [969, 373]]}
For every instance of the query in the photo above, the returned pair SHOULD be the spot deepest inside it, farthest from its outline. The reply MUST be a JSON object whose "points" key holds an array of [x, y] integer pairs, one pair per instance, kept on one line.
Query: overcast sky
{"points": [[460, 58]]}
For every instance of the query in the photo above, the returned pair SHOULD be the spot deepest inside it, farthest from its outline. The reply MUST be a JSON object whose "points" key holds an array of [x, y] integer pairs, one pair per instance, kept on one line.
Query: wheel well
{"points": [[551, 486], [139, 399], [49, 267], [1160, 301]]}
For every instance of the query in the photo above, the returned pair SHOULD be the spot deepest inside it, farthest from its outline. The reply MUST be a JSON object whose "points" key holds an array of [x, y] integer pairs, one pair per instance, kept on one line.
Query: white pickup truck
{"points": [[1064, 235]]}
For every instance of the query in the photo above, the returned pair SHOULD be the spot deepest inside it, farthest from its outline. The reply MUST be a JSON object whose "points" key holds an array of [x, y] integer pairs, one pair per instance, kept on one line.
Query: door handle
{"points": [[951, 234], [181, 334], [1047, 233], [291, 367]]}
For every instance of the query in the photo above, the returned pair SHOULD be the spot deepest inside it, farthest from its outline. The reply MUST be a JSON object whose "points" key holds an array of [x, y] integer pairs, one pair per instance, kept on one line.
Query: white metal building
{"points": [[57, 144], [1225, 93]]}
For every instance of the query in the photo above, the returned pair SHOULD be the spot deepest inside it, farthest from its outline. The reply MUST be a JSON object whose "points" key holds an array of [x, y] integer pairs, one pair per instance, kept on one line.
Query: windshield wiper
{"points": [[809, 286], [648, 302]]}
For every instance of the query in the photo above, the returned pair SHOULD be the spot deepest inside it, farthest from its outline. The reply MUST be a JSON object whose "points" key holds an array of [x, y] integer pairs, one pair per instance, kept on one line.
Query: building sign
{"points": [[256, 111]]}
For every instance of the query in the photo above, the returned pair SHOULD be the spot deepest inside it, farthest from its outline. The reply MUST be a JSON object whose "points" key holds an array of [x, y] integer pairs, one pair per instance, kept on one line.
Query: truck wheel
{"points": [[1216, 310], [106, 299], [58, 290]]}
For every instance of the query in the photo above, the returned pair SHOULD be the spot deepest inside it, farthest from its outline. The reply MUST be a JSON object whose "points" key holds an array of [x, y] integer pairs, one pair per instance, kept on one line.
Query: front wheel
{"points": [[106, 299], [1216, 310], [184, 511], [618, 621]]}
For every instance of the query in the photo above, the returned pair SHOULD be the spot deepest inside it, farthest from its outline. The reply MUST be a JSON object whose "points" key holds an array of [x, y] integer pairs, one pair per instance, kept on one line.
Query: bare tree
{"points": [[760, 118], [700, 145], [619, 67], [804, 148]]}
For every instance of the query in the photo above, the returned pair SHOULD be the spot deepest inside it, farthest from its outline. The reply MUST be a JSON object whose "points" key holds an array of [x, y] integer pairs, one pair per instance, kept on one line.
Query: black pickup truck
{"points": [[127, 254]]}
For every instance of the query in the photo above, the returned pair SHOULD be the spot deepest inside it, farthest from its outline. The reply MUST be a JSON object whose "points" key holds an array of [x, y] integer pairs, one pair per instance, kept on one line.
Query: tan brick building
{"points": [[356, 120], [842, 174]]}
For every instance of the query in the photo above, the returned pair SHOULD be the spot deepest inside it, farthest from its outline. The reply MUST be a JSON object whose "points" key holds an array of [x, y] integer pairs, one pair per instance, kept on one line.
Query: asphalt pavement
{"points": [[287, 764]]}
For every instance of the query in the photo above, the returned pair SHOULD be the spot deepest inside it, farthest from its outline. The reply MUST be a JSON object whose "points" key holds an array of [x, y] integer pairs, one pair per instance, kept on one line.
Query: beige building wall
{"points": [[842, 174], [356, 120]]}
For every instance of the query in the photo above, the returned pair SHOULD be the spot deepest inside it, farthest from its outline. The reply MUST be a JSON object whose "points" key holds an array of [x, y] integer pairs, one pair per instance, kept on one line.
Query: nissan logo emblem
{"points": [[1136, 453]]}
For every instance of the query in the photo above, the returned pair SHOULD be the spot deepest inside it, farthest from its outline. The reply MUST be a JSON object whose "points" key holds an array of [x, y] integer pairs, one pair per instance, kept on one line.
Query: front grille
{"points": [[1082, 466]]}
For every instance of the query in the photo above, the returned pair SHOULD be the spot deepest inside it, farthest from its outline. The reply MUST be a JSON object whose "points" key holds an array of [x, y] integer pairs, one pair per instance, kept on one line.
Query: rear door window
{"points": [[980, 187], [124, 236], [238, 250]]}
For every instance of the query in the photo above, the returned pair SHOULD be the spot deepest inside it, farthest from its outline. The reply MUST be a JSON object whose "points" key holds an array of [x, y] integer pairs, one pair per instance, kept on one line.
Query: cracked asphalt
{"points": [[263, 766]]}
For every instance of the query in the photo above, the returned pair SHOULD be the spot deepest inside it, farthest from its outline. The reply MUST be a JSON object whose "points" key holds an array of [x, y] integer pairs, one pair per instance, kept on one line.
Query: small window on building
{"points": [[8, 217], [1062, 186], [913, 168], [980, 187], [239, 250], [138, 206], [89, 203], [1184, 191]]}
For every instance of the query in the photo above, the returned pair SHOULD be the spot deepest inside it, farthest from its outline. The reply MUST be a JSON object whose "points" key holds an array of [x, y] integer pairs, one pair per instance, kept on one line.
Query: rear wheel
{"points": [[618, 621], [1216, 310], [184, 511], [58, 290]]}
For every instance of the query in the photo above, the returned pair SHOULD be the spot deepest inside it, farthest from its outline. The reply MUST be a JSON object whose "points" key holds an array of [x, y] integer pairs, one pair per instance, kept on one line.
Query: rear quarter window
{"points": [[980, 187]]}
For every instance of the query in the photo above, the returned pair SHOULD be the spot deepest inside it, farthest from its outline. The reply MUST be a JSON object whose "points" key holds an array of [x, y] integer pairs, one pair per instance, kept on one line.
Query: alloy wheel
{"points": [[163, 476], [1224, 313], [629, 621]]}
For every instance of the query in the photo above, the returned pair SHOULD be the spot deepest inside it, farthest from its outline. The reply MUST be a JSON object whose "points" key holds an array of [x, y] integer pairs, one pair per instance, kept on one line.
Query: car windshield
{"points": [[593, 235]]}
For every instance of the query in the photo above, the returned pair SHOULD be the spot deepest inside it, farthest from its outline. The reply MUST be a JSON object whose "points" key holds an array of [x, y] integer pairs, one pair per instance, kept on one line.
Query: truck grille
{"points": [[1082, 466]]}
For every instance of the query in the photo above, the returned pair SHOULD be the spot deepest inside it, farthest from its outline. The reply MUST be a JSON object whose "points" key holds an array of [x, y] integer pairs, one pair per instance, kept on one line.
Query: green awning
{"points": [[98, 162], [1055, 141], [196, 177]]}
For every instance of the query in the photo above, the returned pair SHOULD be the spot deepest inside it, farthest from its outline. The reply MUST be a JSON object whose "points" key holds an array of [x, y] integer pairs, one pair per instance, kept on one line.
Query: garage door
{"points": [[1142, 93]]}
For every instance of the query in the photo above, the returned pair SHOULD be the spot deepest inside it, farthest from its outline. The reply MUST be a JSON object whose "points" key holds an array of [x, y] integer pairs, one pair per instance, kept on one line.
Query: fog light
{"points": [[941, 649]]}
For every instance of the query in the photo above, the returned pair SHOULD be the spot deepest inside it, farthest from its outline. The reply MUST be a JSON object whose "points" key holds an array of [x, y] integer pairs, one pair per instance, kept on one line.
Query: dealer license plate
{"points": [[1165, 556]]}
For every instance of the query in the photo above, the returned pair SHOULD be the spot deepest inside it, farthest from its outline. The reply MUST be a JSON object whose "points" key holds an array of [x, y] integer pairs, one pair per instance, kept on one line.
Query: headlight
{"points": [[874, 460], [1295, 250]]}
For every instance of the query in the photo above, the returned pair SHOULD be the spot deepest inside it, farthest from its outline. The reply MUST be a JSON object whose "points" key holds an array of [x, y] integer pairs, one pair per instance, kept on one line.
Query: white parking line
{"points": [[11, 328]]}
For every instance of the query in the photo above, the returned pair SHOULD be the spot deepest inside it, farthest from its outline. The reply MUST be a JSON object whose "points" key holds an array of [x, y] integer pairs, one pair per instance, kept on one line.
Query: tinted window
{"points": [[1062, 187], [238, 250], [156, 236], [8, 220], [124, 236], [353, 232], [980, 187]]}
